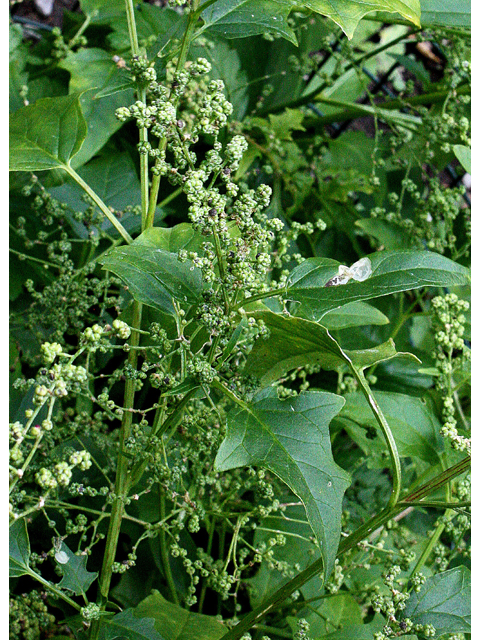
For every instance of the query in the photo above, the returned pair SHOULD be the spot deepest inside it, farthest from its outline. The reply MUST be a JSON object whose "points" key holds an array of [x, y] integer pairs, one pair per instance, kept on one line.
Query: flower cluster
{"points": [[452, 358]]}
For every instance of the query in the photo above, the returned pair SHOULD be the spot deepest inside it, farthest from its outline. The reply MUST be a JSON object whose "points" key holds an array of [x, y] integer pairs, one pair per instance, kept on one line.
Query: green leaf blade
{"points": [[415, 427], [348, 13], [295, 342], [154, 276], [174, 623], [76, 578], [392, 272], [444, 601], [464, 156], [126, 625], [447, 13], [244, 18], [46, 134], [19, 549], [291, 438]]}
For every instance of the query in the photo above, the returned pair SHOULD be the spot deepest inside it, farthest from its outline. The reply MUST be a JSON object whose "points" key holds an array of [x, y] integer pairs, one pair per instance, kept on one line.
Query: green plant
{"points": [[219, 429]]}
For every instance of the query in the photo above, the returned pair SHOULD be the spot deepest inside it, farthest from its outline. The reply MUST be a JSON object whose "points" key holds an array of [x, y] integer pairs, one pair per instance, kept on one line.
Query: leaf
{"points": [[446, 13], [91, 69], [19, 549], [464, 156], [46, 134], [173, 239], [444, 602], [336, 611], [389, 234], [348, 13], [354, 314], [392, 272], [154, 276], [283, 124], [76, 578], [243, 18], [126, 625], [291, 438], [415, 427], [175, 623], [295, 342], [359, 631], [103, 11]]}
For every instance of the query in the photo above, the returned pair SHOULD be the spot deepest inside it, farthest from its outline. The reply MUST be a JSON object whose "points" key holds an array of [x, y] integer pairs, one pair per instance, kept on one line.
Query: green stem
{"points": [[164, 551], [221, 269], [185, 46], [310, 96], [218, 384], [100, 204], [437, 504], [346, 544], [171, 197], [172, 421], [143, 134], [53, 588], [142, 96], [82, 29], [281, 291], [154, 189], [384, 426], [132, 27], [34, 448], [209, 553], [426, 98], [122, 480], [434, 539], [438, 482], [24, 256]]}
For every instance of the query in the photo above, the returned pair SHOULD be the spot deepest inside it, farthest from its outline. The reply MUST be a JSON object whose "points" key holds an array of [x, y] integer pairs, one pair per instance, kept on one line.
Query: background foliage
{"points": [[240, 331]]}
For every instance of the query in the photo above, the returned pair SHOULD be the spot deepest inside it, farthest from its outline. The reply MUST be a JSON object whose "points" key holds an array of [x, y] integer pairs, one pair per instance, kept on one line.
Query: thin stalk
{"points": [[209, 553], [82, 29], [53, 588], [154, 189], [34, 448], [346, 544], [143, 134], [185, 46], [67, 505], [164, 551], [384, 426], [122, 480], [438, 482], [434, 504], [221, 268], [24, 256], [217, 384], [260, 296], [100, 204], [171, 197], [310, 95], [426, 98], [132, 27], [434, 539], [142, 96]]}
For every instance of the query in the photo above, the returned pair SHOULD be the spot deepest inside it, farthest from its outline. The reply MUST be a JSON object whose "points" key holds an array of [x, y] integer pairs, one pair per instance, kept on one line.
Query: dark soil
{"points": [[28, 10]]}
